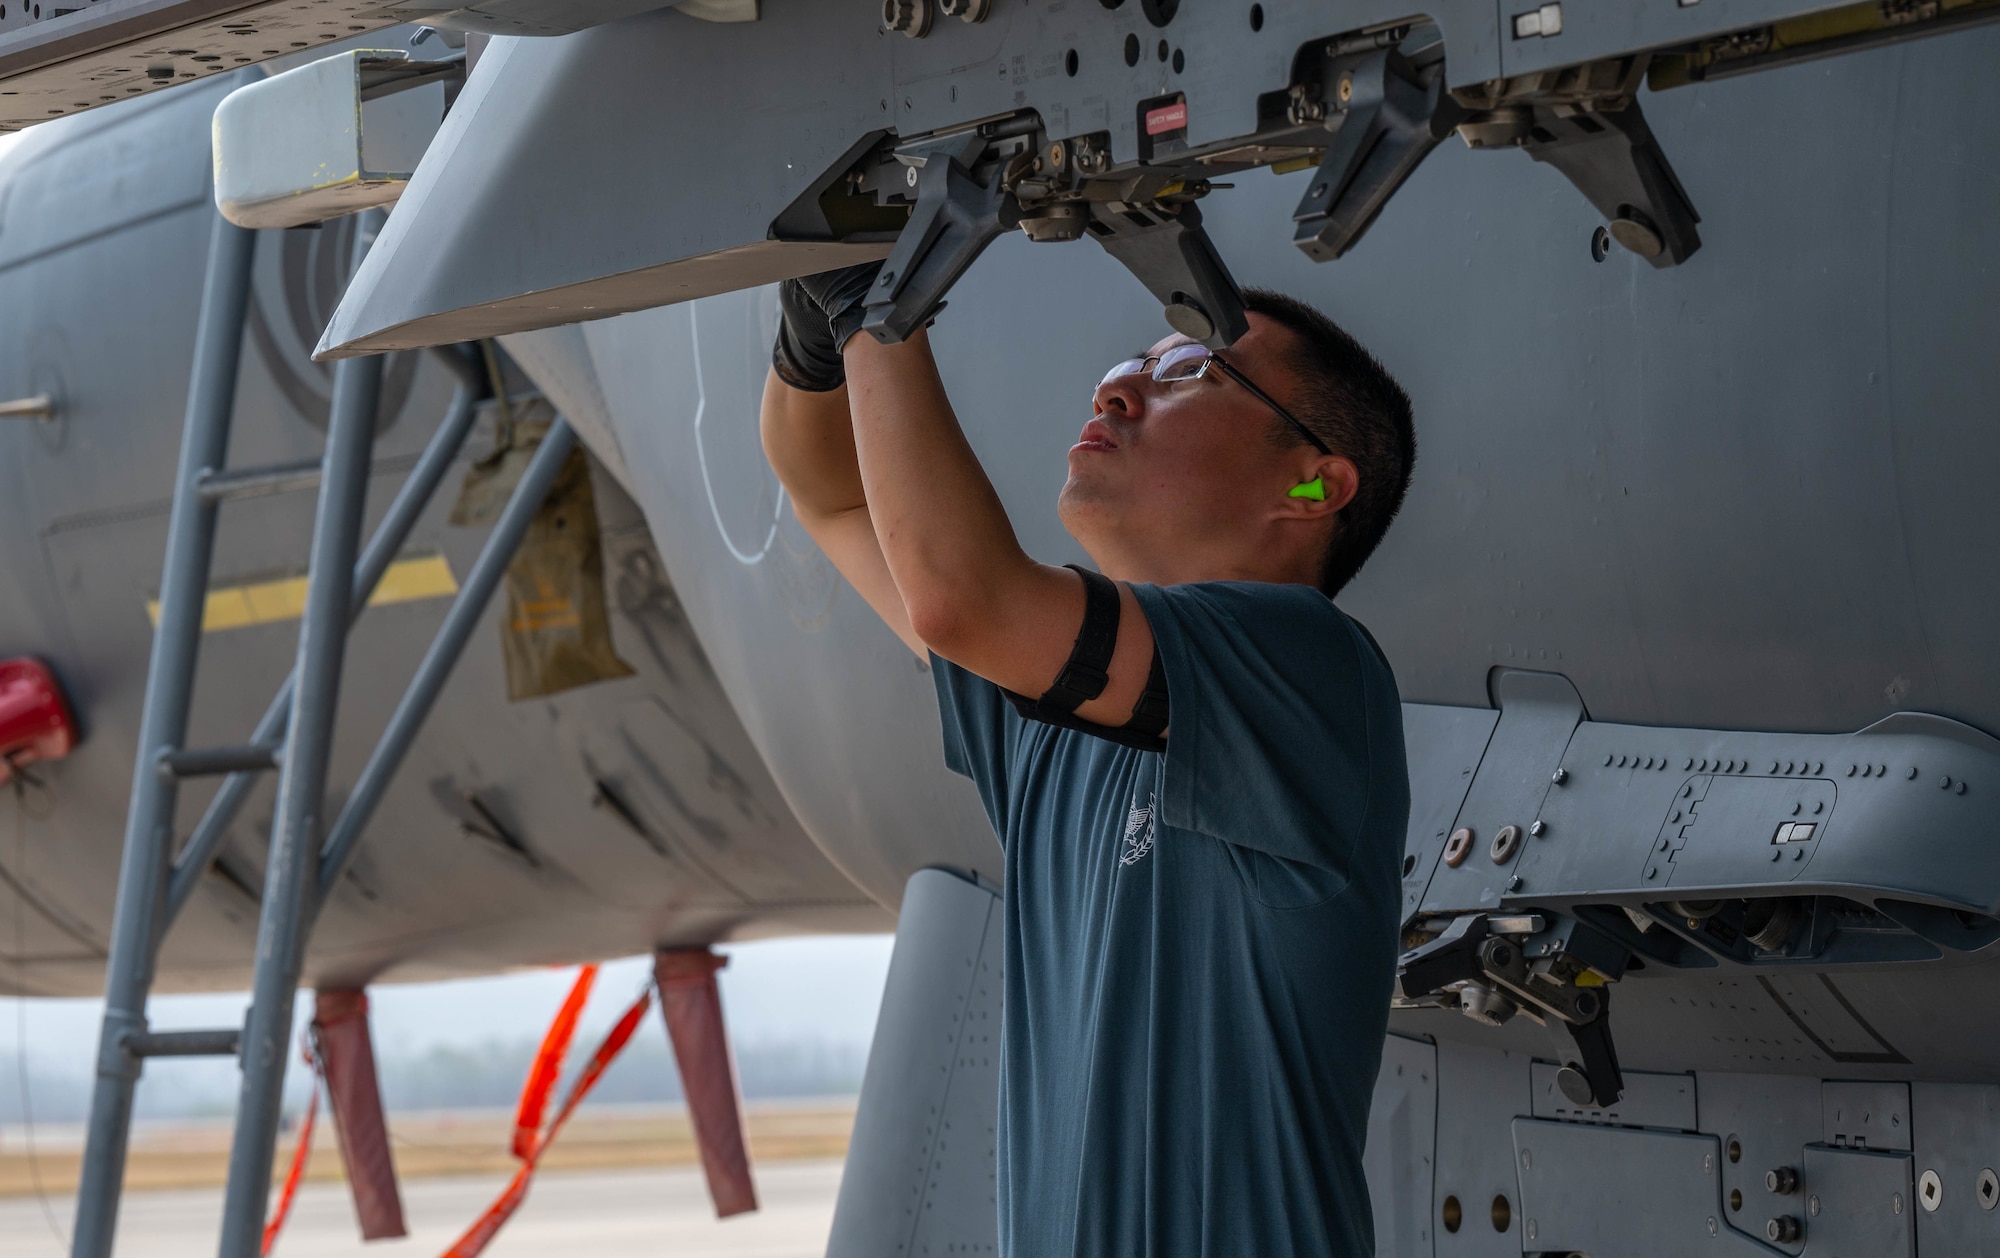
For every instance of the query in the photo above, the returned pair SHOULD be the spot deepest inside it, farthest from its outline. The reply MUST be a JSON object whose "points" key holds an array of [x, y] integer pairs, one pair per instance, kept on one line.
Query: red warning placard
{"points": [[1167, 118]]}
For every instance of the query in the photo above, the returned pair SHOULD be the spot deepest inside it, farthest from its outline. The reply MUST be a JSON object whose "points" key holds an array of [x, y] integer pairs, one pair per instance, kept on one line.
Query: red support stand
{"points": [[35, 720], [347, 1056], [693, 1007]]}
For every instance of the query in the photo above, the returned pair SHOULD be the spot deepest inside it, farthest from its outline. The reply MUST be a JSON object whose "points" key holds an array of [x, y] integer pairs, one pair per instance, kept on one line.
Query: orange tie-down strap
{"points": [[489, 1224], [300, 1153], [547, 1066]]}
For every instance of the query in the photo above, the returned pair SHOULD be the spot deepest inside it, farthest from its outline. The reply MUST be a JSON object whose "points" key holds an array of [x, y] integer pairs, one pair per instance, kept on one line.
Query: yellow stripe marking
{"points": [[270, 602], [412, 580]]}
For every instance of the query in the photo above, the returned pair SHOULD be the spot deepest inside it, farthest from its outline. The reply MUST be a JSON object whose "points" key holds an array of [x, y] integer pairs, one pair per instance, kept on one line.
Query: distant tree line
{"points": [[488, 1076], [438, 1078]]}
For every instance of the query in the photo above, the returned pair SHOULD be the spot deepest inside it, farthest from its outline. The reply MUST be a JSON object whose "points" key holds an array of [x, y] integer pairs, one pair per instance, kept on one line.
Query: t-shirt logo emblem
{"points": [[1138, 833]]}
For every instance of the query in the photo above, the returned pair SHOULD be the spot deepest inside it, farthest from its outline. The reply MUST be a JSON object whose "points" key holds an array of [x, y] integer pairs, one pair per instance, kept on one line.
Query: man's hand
{"points": [[816, 316]]}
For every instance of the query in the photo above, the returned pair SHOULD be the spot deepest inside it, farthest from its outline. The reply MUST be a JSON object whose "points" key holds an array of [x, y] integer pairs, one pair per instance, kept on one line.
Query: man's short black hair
{"points": [[1352, 403]]}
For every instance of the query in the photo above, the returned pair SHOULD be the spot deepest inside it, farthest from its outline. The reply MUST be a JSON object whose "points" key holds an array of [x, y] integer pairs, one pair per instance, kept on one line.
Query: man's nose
{"points": [[1124, 394]]}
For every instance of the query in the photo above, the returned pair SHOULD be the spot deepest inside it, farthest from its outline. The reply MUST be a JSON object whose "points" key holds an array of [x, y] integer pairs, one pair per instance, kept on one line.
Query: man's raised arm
{"points": [[882, 478], [973, 595]]}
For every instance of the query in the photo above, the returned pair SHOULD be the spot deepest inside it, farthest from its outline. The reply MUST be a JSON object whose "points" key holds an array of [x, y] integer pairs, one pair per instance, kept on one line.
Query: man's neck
{"points": [[1184, 566]]}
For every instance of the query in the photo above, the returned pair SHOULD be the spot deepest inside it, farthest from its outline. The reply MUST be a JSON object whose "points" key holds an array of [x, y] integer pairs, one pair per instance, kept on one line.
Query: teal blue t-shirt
{"points": [[1200, 943]]}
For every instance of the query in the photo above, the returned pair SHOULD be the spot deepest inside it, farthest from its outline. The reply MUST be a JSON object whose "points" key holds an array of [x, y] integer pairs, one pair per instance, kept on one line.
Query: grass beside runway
{"points": [[196, 1154]]}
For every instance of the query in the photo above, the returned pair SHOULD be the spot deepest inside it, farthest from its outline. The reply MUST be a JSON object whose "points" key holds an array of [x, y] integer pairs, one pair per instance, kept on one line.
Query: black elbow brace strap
{"points": [[1088, 671]]}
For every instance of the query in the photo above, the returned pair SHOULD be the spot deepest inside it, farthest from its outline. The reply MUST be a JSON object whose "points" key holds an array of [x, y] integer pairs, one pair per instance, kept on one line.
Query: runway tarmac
{"points": [[607, 1214]]}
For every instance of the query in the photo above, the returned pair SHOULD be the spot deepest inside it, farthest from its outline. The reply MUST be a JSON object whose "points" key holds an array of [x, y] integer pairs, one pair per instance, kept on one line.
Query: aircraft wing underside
{"points": [[660, 159], [636, 155], [57, 61]]}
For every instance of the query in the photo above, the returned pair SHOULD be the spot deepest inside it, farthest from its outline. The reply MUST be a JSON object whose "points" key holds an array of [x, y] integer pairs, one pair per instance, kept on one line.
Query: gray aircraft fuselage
{"points": [[104, 221]]}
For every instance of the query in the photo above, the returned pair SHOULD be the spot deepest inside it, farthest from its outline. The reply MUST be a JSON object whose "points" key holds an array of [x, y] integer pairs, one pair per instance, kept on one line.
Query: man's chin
{"points": [[1078, 492], [1077, 502], [1087, 505]]}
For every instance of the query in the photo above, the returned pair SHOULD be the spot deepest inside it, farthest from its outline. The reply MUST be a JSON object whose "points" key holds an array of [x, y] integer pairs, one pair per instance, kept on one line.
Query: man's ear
{"points": [[1328, 484]]}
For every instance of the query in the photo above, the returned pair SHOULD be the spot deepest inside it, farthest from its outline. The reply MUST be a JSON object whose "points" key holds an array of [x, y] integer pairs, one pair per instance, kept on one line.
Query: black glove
{"points": [[818, 314]]}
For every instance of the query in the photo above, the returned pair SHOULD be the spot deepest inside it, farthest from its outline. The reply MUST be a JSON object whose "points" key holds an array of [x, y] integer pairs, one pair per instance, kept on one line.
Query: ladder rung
{"points": [[222, 1043], [256, 482], [212, 761], [41, 406]]}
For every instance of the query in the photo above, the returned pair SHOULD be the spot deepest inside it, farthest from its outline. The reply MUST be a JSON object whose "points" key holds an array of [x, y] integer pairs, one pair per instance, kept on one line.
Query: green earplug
{"points": [[1314, 489]]}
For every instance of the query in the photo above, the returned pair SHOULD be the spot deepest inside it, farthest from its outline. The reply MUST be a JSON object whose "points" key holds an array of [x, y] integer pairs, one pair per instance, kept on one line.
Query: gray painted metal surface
{"points": [[920, 1176], [252, 1149], [284, 917], [313, 142], [467, 610], [1400, 1156], [517, 123], [1862, 1202], [1538, 712], [1622, 1193], [1445, 745], [148, 848], [411, 498], [1958, 1140], [65, 61], [531, 124], [1479, 1094], [1764, 1122], [835, 703], [103, 229], [1865, 1115], [223, 1043], [559, 362], [1650, 1100]]}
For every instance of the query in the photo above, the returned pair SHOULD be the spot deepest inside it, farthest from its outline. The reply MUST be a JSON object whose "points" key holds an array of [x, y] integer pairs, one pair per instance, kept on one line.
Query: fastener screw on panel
{"points": [[909, 17]]}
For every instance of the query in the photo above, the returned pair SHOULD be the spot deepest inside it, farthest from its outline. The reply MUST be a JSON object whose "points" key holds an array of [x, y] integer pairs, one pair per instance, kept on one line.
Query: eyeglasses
{"points": [[1191, 362]]}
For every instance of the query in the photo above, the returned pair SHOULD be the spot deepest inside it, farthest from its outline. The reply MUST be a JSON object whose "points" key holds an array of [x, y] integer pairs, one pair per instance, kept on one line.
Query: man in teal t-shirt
{"points": [[1194, 760]]}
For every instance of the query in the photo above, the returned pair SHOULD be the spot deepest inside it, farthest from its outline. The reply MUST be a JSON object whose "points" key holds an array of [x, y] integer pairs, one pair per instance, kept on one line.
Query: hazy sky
{"points": [[826, 988]]}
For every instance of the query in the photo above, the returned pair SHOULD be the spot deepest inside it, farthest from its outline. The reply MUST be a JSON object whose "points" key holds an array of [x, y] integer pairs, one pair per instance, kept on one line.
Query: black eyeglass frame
{"points": [[1228, 369]]}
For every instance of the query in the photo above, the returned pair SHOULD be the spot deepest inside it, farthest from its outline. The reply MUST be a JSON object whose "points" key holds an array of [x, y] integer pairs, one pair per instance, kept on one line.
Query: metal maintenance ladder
{"points": [[295, 736]]}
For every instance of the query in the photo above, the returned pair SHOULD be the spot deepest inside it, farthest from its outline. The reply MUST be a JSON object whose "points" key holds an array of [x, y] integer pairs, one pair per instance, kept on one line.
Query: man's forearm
{"points": [[809, 441], [970, 592], [943, 530]]}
